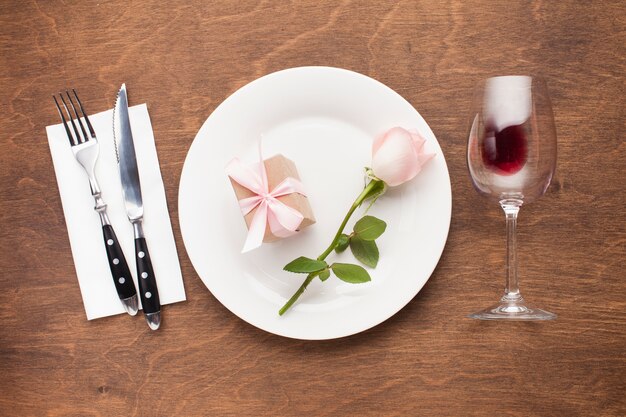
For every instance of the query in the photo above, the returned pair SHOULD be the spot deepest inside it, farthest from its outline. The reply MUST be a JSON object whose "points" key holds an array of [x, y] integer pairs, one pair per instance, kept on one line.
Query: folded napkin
{"points": [[83, 224]]}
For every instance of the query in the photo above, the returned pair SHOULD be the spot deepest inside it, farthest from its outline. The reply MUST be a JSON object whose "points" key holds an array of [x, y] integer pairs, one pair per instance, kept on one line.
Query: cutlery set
{"points": [[84, 145]]}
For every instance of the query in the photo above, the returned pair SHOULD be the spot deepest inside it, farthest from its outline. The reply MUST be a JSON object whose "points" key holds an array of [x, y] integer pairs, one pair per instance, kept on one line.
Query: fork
{"points": [[84, 145]]}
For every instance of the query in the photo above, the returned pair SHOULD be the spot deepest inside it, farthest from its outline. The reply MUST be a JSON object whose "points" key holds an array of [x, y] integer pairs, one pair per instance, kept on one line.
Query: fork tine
{"points": [[80, 123], [78, 137], [93, 133], [67, 129]]}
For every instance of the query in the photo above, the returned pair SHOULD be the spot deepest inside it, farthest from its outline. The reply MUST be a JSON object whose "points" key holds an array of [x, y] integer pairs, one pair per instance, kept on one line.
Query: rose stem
{"points": [[364, 194]]}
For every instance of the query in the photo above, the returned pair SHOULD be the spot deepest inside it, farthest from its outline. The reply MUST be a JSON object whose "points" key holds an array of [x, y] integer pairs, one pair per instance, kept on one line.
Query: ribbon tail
{"points": [[256, 232], [246, 176], [262, 170], [283, 220]]}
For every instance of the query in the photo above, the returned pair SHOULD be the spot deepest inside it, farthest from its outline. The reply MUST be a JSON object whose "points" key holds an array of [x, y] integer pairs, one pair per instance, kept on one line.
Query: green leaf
{"points": [[342, 243], [365, 251], [369, 228], [304, 265], [324, 275], [354, 274]]}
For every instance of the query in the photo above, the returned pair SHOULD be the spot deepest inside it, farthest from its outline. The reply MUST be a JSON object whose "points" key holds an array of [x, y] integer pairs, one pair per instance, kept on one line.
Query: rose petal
{"points": [[396, 160], [378, 142], [418, 140], [418, 143], [425, 157]]}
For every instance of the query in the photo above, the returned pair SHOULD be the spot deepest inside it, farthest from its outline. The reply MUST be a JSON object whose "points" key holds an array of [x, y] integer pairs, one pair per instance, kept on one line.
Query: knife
{"points": [[131, 189]]}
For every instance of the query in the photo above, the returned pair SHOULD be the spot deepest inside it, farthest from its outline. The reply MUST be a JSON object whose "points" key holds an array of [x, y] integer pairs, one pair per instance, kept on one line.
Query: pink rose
{"points": [[398, 156]]}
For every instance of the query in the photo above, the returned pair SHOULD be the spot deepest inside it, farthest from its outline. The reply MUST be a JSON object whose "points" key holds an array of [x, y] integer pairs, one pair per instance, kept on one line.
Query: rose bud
{"points": [[398, 156]]}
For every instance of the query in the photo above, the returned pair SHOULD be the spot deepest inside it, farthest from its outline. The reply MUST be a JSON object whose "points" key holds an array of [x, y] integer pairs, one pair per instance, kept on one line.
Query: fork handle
{"points": [[148, 290], [117, 263]]}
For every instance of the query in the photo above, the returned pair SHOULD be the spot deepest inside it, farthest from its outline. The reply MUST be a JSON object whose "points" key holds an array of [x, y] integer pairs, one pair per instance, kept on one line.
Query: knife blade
{"points": [[131, 190]]}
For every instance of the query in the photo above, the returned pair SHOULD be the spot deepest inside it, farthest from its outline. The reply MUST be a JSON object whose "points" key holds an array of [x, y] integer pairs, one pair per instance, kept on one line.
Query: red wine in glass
{"points": [[505, 151]]}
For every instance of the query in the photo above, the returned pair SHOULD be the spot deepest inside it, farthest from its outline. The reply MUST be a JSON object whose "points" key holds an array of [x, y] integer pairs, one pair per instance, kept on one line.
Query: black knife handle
{"points": [[117, 263], [148, 290]]}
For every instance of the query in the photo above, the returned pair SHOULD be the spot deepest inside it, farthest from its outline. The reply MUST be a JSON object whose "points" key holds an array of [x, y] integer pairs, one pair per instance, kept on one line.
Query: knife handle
{"points": [[148, 290], [117, 263]]}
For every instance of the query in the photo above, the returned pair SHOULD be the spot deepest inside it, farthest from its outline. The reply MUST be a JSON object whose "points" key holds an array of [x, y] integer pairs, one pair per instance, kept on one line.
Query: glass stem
{"points": [[511, 291]]}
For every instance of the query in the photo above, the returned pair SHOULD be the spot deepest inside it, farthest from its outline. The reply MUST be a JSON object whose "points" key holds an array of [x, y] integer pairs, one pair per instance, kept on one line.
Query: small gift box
{"points": [[272, 199]]}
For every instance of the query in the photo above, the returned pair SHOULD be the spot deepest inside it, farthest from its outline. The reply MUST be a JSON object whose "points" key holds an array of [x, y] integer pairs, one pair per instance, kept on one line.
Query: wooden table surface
{"points": [[183, 59]]}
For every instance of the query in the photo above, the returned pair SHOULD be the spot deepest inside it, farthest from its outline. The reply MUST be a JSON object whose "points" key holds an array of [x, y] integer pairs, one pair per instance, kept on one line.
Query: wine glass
{"points": [[511, 156]]}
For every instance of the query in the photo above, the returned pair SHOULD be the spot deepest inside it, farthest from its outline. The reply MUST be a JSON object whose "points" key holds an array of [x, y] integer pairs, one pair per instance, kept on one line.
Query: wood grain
{"points": [[183, 59]]}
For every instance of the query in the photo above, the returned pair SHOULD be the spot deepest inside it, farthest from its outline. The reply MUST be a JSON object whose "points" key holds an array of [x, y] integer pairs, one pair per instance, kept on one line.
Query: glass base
{"points": [[512, 309]]}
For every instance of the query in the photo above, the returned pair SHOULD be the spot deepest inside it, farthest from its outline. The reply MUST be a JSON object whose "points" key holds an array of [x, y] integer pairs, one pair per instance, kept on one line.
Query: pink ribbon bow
{"points": [[283, 220]]}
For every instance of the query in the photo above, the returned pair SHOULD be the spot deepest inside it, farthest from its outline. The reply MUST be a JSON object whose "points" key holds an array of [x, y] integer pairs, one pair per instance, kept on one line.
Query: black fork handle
{"points": [[117, 263]]}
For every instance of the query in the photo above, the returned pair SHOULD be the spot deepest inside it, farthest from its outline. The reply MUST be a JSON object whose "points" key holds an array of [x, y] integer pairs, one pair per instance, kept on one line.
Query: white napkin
{"points": [[83, 224]]}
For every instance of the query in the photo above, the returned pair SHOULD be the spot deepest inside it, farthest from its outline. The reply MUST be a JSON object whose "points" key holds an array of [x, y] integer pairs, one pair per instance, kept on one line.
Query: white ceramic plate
{"points": [[324, 119]]}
